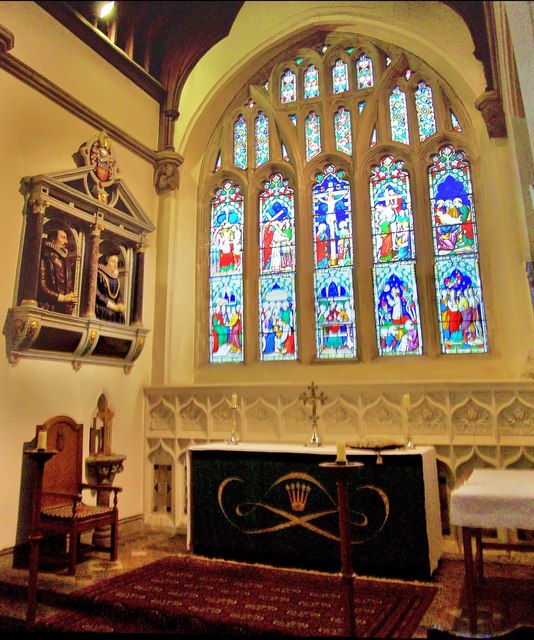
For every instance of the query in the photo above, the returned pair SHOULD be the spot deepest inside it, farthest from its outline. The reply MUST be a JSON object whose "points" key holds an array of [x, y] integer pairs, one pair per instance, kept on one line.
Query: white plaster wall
{"points": [[37, 136]]}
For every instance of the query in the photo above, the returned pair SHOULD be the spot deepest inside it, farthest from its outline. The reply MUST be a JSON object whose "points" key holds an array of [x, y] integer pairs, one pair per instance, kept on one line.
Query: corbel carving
{"points": [[490, 106], [7, 40], [166, 175]]}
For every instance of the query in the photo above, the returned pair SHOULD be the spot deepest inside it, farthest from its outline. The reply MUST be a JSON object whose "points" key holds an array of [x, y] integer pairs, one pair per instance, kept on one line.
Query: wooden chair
{"points": [[62, 510]]}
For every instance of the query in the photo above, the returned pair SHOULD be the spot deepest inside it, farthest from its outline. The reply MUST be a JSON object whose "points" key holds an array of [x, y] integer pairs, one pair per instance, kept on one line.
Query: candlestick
{"points": [[234, 400], [41, 440], [406, 400], [341, 453]]}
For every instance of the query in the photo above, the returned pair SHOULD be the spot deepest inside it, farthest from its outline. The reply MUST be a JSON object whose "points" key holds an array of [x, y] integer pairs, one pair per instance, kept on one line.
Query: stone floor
{"points": [[506, 600]]}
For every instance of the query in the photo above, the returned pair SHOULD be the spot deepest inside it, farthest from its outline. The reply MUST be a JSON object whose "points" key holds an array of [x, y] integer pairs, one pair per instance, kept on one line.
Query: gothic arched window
{"points": [[352, 150]]}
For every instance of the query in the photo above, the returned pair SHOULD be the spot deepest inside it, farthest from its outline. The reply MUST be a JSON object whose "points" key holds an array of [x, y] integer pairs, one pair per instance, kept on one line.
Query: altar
{"points": [[273, 504]]}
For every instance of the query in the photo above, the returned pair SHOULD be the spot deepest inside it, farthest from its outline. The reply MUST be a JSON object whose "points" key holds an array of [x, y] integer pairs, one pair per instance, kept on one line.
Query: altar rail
{"points": [[470, 425]]}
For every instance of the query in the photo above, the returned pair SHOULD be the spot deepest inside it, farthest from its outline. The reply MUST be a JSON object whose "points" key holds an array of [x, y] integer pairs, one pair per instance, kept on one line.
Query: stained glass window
{"points": [[240, 142], [398, 115], [458, 284], [455, 124], [424, 106], [334, 298], [293, 119], [288, 87], [261, 130], [285, 155], [397, 319], [373, 140], [361, 105], [311, 82], [277, 304], [312, 131], [340, 77], [218, 162], [226, 275], [364, 72], [342, 131]]}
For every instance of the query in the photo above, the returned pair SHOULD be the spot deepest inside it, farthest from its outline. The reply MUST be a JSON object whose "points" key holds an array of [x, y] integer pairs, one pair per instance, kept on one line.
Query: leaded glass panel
{"points": [[424, 106], [240, 142], [226, 280], [392, 216], [342, 131], [312, 130], [398, 328], [453, 209], [277, 270], [311, 82], [333, 252], [334, 312], [364, 72], [340, 77], [455, 124], [462, 319], [397, 318], [288, 87], [398, 116], [277, 312], [261, 130]]}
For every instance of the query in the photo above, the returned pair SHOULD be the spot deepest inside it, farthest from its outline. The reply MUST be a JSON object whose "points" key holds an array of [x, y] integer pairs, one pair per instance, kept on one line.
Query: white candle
{"points": [[41, 440], [234, 400], [406, 400], [341, 452]]}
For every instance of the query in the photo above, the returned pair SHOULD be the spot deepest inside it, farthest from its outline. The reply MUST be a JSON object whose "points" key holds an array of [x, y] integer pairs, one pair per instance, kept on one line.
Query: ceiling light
{"points": [[106, 9]]}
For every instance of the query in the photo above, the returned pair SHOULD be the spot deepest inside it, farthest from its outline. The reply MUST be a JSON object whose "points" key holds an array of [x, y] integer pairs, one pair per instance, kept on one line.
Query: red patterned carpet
{"points": [[190, 594]]}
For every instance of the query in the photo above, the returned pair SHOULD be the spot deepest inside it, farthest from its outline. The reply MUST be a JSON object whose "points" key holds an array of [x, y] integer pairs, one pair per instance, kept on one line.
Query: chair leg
{"points": [[73, 552], [114, 529]]}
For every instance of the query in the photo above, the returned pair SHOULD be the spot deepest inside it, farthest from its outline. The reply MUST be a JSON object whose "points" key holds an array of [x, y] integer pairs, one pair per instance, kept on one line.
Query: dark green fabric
{"points": [[241, 510]]}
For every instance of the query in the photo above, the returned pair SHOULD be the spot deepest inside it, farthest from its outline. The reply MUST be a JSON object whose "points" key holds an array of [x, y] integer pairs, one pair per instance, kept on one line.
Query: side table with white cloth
{"points": [[491, 499]]}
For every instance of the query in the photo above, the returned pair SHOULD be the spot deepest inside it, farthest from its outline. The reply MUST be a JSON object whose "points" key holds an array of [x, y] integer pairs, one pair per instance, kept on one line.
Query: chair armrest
{"points": [[86, 485]]}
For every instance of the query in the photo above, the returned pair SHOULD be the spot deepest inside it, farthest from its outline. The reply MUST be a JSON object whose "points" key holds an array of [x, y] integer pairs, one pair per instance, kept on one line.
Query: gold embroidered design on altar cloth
{"points": [[295, 489]]}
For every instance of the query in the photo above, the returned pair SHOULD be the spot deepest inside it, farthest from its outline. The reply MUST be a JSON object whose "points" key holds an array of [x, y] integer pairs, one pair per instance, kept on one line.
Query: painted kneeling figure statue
{"points": [[109, 305]]}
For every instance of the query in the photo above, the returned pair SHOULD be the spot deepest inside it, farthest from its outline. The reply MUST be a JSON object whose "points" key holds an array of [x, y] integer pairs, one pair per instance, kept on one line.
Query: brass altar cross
{"points": [[313, 397]]}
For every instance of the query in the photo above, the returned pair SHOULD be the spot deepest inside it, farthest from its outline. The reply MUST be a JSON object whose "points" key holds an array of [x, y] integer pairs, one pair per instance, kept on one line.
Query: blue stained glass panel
{"points": [[226, 231], [424, 106], [335, 327], [226, 313], [333, 251], [277, 313], [340, 77], [226, 280], [361, 105], [293, 119], [391, 212], [261, 130], [240, 142], [288, 87], [453, 207], [398, 115], [311, 82], [364, 72], [342, 131], [277, 226], [312, 130], [462, 319], [455, 124], [397, 321]]}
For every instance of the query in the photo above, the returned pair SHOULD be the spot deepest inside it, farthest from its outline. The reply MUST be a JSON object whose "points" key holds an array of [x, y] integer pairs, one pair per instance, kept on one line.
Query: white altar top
{"points": [[495, 498]]}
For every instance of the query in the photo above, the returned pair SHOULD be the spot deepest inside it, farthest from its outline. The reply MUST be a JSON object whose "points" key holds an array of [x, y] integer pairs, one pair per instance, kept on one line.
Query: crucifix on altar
{"points": [[313, 398]]}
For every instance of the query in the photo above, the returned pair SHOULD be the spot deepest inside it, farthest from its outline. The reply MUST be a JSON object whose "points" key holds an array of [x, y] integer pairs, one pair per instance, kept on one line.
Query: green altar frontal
{"points": [[275, 505]]}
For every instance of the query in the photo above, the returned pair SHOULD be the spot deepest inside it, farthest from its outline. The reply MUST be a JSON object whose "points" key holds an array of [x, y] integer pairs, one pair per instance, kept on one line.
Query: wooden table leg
{"points": [[470, 578]]}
